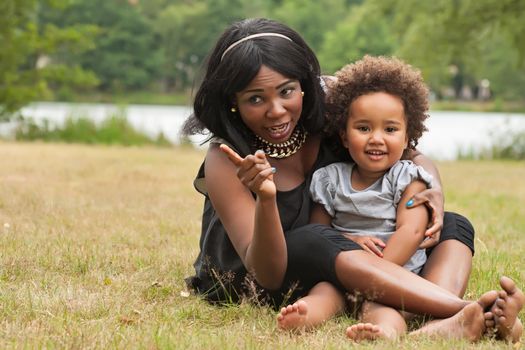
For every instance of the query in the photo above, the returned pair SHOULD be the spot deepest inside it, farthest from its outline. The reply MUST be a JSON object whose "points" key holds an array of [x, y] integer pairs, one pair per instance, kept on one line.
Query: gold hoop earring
{"points": [[302, 93], [233, 109]]}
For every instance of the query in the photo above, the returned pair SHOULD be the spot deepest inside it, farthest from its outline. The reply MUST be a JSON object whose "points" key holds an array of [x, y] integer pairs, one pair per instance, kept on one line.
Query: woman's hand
{"points": [[254, 171], [433, 199], [368, 243]]}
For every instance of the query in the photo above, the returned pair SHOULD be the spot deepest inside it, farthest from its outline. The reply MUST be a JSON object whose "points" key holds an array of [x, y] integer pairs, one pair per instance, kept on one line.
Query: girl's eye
{"points": [[391, 129], [363, 128]]}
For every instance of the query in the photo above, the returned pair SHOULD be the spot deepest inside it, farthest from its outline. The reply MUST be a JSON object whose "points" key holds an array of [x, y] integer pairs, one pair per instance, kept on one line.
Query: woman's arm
{"points": [[410, 228], [433, 198], [253, 225]]}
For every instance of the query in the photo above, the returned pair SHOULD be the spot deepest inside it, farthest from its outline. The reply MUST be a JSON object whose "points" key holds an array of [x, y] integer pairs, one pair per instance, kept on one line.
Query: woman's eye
{"points": [[255, 99], [287, 91]]}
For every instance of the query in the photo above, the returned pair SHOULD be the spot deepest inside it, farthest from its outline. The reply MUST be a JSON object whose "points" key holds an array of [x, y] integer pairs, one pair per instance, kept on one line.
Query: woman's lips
{"points": [[279, 133]]}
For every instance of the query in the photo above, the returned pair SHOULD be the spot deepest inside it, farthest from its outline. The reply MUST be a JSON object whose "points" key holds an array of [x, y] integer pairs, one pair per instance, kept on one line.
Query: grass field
{"points": [[95, 243]]}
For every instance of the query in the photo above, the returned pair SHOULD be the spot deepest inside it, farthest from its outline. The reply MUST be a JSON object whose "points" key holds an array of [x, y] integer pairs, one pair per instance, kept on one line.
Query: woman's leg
{"points": [[323, 302], [377, 321], [450, 262], [506, 309]]}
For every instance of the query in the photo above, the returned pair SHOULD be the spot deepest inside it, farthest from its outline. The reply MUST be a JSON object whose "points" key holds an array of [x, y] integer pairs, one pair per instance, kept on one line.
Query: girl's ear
{"points": [[342, 135]]}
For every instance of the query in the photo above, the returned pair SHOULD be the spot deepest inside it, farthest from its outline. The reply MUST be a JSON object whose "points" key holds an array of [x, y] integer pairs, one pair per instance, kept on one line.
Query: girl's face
{"points": [[375, 133], [270, 105]]}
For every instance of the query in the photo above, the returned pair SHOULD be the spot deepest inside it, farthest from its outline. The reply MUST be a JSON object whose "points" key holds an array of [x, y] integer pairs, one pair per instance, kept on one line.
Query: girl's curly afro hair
{"points": [[379, 74]]}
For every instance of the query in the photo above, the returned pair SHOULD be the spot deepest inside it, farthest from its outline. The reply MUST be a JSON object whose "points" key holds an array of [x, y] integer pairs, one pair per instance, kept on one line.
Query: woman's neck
{"points": [[293, 170]]}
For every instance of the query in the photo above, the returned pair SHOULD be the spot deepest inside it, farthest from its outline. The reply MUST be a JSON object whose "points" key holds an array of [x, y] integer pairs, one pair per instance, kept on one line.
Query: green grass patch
{"points": [[496, 105], [180, 98]]}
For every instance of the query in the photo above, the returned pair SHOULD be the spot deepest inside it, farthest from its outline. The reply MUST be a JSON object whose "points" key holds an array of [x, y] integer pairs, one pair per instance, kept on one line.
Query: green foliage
{"points": [[311, 18], [28, 68], [362, 32], [58, 49], [435, 35], [113, 130], [188, 31], [125, 54]]}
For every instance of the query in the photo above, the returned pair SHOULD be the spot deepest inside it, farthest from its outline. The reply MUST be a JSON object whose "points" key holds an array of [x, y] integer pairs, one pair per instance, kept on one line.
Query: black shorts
{"points": [[312, 250], [456, 227]]}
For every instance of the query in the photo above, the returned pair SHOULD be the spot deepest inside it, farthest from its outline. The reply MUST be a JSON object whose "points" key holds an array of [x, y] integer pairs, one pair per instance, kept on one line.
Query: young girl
{"points": [[378, 107]]}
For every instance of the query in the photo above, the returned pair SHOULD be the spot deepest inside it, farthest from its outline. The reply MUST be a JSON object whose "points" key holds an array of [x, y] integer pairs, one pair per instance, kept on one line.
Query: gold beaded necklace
{"points": [[285, 149]]}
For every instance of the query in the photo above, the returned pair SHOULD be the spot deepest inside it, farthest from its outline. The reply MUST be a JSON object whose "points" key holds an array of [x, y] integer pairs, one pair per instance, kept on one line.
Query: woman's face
{"points": [[270, 105]]}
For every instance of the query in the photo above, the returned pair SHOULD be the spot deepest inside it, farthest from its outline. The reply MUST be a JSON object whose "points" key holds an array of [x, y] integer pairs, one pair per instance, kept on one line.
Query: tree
{"points": [[188, 32], [27, 64], [126, 55], [436, 35], [363, 31], [311, 18]]}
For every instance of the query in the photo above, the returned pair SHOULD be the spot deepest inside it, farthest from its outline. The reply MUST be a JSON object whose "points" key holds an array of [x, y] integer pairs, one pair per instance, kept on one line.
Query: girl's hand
{"points": [[254, 171], [368, 243], [433, 199]]}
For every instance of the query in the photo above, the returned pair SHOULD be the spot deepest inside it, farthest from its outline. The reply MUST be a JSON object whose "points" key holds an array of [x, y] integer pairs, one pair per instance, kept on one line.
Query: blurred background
{"points": [[123, 71]]}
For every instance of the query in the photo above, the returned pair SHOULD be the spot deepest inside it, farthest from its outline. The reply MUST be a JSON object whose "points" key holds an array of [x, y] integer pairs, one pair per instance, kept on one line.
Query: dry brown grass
{"points": [[96, 241]]}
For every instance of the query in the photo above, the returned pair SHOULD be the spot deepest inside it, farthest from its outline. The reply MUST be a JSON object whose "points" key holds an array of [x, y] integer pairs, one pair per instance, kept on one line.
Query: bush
{"points": [[114, 130], [506, 144]]}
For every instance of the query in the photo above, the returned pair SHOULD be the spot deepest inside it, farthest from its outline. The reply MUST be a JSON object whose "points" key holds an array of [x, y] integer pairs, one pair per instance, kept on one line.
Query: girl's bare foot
{"points": [[468, 324], [506, 309], [366, 331], [293, 317]]}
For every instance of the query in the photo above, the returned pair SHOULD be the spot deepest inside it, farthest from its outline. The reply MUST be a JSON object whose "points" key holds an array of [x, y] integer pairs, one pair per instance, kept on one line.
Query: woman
{"points": [[262, 90]]}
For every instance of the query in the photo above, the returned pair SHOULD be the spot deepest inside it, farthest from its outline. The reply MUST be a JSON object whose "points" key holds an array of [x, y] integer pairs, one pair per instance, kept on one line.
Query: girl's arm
{"points": [[410, 228], [253, 225], [433, 198], [319, 215]]}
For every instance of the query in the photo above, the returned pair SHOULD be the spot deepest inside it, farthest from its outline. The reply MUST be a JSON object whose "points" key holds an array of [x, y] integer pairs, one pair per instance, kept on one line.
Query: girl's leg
{"points": [[468, 324], [377, 321], [392, 285], [323, 302]]}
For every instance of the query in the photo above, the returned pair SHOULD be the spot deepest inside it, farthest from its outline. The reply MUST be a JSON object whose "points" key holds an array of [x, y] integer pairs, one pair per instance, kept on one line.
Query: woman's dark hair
{"points": [[293, 59]]}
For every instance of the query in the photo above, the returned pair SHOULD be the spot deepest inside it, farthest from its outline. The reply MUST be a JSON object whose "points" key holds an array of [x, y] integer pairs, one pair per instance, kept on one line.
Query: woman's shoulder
{"points": [[211, 164]]}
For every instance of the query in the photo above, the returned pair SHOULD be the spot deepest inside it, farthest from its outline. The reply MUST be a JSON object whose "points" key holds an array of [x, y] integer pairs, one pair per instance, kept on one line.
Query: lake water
{"points": [[449, 132]]}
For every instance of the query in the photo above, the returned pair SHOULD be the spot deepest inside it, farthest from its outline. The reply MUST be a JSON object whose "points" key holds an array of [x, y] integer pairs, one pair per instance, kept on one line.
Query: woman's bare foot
{"points": [[468, 324], [293, 317], [366, 331], [506, 309]]}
